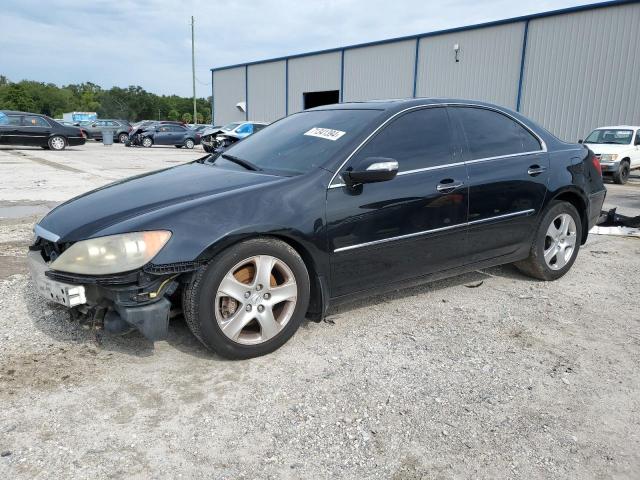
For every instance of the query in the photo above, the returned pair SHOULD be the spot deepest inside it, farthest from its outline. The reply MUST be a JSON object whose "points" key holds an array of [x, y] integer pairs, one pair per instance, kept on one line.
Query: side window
{"points": [[491, 134], [246, 128], [179, 129], [34, 121], [257, 127], [418, 139], [637, 142], [165, 129]]}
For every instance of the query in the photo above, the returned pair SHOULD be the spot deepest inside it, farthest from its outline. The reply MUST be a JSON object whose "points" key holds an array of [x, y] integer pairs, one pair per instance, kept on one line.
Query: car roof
{"points": [[397, 104], [623, 127], [14, 112]]}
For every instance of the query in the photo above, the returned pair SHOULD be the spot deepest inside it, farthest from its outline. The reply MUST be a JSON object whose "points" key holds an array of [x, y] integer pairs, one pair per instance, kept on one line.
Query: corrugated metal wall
{"points": [[488, 67], [267, 89], [314, 73], [582, 70], [228, 90], [380, 71]]}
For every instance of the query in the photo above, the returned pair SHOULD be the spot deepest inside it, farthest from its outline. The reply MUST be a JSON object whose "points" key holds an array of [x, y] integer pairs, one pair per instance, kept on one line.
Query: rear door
{"points": [[36, 130], [413, 225], [508, 173]]}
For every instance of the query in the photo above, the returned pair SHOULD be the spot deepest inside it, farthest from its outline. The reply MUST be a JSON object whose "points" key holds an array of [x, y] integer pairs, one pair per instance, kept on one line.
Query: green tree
{"points": [[200, 118], [186, 117], [16, 97], [173, 115]]}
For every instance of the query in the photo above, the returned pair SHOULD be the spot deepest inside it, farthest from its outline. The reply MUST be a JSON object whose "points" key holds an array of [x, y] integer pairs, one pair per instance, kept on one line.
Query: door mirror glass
{"points": [[371, 170], [580, 141], [637, 142]]}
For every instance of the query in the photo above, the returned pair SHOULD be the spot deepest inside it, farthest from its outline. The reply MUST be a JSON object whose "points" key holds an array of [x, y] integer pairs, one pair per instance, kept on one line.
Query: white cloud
{"points": [[148, 43]]}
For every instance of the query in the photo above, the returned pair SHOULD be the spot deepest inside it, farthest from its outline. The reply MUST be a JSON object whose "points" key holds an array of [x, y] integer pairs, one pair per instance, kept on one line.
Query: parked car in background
{"points": [[120, 129], [325, 204], [617, 148], [32, 129], [169, 134], [68, 123], [199, 127], [219, 138]]}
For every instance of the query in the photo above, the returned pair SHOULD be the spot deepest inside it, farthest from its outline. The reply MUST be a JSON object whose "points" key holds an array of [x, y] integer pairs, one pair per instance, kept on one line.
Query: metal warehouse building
{"points": [[571, 70]]}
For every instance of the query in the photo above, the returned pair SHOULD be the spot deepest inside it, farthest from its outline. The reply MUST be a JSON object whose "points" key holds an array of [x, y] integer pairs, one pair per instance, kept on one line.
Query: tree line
{"points": [[132, 103]]}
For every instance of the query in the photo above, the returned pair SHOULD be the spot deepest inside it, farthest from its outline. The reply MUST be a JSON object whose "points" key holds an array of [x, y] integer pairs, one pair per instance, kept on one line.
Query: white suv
{"points": [[617, 148]]}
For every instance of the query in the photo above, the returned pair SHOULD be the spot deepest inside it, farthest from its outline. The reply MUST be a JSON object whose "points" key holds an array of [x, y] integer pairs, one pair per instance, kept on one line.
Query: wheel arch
{"points": [[579, 201], [319, 295]]}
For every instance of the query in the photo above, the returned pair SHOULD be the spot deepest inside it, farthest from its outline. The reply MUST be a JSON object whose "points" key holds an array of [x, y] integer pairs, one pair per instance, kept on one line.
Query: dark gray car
{"points": [[120, 129]]}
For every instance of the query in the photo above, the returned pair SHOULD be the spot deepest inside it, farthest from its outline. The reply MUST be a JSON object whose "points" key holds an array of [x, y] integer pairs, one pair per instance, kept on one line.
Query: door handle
{"points": [[448, 185], [535, 170]]}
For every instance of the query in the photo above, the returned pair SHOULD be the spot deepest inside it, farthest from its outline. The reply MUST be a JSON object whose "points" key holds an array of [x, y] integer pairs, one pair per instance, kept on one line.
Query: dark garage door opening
{"points": [[316, 99]]}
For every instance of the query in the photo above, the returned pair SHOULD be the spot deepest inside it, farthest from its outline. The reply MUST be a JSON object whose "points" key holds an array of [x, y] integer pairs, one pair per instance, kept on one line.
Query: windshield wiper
{"points": [[245, 163]]}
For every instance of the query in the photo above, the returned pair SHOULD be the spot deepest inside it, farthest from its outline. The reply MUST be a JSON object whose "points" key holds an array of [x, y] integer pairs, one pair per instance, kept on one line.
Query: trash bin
{"points": [[107, 136]]}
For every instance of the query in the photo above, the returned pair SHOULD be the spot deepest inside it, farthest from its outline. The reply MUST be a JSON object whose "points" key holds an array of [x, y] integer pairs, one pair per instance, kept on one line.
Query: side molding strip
{"points": [[521, 213]]}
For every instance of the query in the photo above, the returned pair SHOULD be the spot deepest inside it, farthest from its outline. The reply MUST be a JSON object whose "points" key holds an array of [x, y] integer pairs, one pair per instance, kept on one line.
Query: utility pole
{"points": [[193, 70]]}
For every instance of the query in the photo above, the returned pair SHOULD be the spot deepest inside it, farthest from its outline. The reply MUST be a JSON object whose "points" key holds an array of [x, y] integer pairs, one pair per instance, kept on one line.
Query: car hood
{"points": [[600, 148], [87, 215]]}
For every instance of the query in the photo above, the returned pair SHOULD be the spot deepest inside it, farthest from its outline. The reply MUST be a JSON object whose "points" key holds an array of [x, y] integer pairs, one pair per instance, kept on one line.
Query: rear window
{"points": [[303, 141]]}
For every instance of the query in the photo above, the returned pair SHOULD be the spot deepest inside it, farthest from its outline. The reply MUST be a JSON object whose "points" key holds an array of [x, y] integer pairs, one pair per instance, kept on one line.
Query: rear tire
{"points": [[230, 284], [123, 137], [622, 175], [556, 243], [57, 143]]}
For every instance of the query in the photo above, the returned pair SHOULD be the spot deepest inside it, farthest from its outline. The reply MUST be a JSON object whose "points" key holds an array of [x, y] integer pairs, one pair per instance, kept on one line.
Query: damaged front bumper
{"points": [[121, 304]]}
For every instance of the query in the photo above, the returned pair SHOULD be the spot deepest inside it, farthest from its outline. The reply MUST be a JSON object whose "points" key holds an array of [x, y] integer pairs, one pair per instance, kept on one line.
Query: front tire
{"points": [[189, 143], [249, 300], [556, 243], [57, 142], [622, 175], [147, 142]]}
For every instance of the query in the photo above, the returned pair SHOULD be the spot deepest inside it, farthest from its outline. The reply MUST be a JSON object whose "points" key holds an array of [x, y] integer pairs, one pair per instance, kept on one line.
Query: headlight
{"points": [[607, 157], [111, 254]]}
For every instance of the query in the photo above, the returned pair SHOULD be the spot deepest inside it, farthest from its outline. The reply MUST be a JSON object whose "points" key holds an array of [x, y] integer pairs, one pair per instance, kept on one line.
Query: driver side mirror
{"points": [[637, 142], [580, 141], [372, 170]]}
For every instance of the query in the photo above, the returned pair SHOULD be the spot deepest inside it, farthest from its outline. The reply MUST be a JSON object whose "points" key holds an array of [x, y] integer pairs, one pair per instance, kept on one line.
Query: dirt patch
{"points": [[11, 265]]}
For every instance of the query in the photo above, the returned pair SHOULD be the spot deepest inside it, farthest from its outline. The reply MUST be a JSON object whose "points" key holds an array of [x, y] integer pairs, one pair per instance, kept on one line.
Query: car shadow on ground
{"points": [[474, 279], [55, 321]]}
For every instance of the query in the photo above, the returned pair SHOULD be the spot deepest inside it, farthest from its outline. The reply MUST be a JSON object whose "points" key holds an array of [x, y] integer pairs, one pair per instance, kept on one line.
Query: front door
{"points": [[11, 131], [508, 172], [415, 224]]}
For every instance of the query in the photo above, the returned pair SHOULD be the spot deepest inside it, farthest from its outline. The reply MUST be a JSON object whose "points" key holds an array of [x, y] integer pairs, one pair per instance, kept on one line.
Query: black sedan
{"points": [[35, 130], [323, 205]]}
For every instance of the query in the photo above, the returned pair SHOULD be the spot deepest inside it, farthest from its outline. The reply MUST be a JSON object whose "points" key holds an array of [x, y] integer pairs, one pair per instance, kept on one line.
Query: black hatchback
{"points": [[35, 130], [319, 207]]}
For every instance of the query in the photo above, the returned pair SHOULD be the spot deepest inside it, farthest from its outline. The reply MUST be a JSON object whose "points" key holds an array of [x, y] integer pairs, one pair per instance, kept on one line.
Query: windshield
{"points": [[611, 136], [303, 141], [230, 126]]}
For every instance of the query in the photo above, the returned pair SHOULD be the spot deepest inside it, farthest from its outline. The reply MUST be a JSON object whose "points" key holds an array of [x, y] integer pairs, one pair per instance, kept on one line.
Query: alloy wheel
{"points": [[57, 143], [189, 144], [560, 241], [256, 299]]}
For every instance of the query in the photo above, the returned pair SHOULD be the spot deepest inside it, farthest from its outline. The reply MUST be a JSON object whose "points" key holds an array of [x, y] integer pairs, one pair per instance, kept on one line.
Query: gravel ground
{"points": [[514, 378]]}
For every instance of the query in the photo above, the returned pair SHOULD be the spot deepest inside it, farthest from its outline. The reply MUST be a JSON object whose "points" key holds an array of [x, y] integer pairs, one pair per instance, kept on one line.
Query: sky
{"points": [[148, 43]]}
